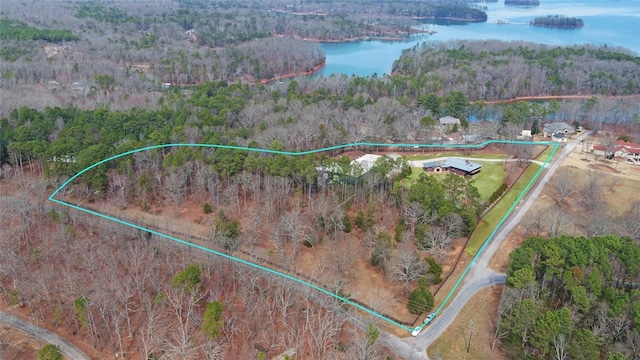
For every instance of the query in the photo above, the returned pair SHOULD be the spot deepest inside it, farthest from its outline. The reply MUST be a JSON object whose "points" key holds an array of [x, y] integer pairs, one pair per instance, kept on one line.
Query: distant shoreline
{"points": [[294, 74], [558, 26], [400, 35]]}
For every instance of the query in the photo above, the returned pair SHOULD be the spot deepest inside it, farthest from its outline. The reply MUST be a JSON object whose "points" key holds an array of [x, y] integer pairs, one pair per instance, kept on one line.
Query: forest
{"points": [[270, 207], [124, 291], [84, 81], [17, 30], [493, 70], [572, 297]]}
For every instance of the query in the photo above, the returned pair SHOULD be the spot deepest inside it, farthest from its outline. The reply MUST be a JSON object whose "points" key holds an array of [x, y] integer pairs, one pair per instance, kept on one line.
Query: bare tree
{"points": [[560, 346], [564, 186], [153, 328], [557, 221], [618, 326], [633, 343], [413, 213], [537, 220], [175, 186], [117, 187], [182, 342], [407, 268]]}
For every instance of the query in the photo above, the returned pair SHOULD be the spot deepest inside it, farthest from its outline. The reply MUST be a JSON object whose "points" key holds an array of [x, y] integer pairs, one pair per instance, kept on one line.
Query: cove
{"points": [[611, 23]]}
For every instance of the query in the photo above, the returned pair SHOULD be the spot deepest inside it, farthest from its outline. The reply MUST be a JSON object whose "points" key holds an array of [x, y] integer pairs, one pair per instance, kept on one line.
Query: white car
{"points": [[429, 318], [416, 331]]}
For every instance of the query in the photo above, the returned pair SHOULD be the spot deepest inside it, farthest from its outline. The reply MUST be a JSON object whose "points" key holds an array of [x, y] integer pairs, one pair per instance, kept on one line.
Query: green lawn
{"points": [[471, 154], [487, 181], [545, 154], [490, 221]]}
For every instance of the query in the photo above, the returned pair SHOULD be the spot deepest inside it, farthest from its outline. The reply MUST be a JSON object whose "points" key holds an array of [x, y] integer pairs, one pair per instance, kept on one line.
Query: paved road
{"points": [[68, 350], [446, 317], [480, 276]]}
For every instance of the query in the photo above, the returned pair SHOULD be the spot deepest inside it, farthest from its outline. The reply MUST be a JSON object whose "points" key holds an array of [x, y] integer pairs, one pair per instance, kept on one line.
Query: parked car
{"points": [[429, 318], [416, 331]]}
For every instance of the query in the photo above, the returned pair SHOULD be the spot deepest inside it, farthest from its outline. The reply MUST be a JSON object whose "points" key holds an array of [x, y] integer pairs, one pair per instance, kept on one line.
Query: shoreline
{"points": [[448, 18], [398, 36], [294, 74], [557, 27]]}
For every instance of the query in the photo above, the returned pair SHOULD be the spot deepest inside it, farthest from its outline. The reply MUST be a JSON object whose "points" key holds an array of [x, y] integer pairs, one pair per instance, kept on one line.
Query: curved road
{"points": [[66, 348], [479, 275]]}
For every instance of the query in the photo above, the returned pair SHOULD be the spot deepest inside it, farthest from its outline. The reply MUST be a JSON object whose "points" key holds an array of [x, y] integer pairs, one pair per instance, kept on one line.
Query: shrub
{"points": [[206, 208]]}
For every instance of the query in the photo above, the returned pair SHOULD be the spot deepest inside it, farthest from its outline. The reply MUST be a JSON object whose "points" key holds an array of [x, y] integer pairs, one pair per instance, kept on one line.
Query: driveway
{"points": [[480, 275]]}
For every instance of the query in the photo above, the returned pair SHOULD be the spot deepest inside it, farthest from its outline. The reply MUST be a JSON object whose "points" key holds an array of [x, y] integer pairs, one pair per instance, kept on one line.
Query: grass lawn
{"points": [[545, 154], [487, 181], [489, 222], [469, 154]]}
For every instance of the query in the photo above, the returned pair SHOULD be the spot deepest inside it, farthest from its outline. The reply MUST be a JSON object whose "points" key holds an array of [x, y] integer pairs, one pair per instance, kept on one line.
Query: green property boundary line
{"points": [[292, 153]]}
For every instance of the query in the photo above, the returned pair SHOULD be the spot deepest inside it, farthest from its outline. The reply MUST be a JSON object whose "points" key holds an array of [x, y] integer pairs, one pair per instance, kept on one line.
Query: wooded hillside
{"points": [[573, 297], [493, 70]]}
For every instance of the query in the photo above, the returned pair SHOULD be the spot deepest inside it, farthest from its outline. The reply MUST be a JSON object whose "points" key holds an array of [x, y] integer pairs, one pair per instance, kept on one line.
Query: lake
{"points": [[614, 23]]}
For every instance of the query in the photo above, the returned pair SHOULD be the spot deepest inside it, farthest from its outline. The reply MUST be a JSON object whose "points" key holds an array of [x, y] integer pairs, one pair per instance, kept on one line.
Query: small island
{"points": [[522, 2], [558, 21]]}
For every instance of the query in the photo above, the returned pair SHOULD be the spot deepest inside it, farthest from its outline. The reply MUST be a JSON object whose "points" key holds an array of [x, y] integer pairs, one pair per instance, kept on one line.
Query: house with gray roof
{"points": [[558, 128], [459, 166], [449, 121]]}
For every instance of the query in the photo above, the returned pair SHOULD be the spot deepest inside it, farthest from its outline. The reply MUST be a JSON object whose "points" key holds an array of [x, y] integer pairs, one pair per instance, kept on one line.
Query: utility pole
{"points": [[472, 326]]}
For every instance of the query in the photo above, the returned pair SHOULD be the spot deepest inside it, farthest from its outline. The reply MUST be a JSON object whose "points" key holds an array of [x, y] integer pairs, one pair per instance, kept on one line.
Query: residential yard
{"points": [[487, 181], [491, 219], [490, 178]]}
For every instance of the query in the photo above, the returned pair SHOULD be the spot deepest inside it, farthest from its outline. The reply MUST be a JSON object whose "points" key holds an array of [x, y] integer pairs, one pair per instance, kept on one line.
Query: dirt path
{"points": [[68, 350]]}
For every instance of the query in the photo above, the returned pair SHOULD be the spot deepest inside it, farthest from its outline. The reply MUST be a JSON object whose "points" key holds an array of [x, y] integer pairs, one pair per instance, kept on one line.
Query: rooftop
{"points": [[449, 120], [558, 127], [461, 164], [366, 161]]}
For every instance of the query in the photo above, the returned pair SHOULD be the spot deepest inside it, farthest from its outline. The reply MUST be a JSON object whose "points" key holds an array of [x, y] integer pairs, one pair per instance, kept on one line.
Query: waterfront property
{"points": [[458, 166], [559, 127]]}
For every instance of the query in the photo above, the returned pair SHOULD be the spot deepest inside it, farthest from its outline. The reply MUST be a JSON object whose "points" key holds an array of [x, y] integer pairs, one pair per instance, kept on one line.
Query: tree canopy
{"points": [[572, 295]]}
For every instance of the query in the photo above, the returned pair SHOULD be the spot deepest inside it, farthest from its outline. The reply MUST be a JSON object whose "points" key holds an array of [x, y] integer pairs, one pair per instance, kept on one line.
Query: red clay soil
{"points": [[293, 74]]}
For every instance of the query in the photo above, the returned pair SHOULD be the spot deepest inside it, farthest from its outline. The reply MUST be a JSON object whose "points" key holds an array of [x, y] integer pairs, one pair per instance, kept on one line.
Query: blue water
{"points": [[614, 23]]}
